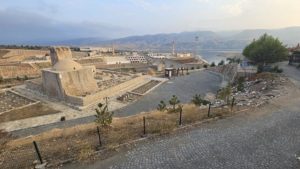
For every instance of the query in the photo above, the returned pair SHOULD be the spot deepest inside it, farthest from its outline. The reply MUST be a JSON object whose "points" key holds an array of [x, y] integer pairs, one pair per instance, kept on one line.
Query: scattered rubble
{"points": [[258, 90]]}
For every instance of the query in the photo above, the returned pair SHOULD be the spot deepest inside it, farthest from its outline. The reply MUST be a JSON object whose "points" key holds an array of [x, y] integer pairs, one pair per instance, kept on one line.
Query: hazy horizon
{"points": [[26, 20]]}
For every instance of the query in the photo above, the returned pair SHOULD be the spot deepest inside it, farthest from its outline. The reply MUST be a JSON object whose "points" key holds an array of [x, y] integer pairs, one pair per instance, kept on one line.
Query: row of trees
{"points": [[104, 116], [174, 101]]}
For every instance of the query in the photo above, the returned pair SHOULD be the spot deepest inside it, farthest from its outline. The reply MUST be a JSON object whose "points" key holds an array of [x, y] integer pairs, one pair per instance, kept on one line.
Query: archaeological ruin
{"points": [[78, 85]]}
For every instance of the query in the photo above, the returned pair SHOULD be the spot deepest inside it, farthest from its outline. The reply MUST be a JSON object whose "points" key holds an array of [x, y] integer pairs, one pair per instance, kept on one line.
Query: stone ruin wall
{"points": [[113, 91], [19, 70], [51, 85], [22, 52], [60, 53], [80, 82]]}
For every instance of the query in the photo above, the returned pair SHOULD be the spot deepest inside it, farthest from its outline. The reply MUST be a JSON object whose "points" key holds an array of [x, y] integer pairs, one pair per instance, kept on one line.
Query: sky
{"points": [[22, 20]]}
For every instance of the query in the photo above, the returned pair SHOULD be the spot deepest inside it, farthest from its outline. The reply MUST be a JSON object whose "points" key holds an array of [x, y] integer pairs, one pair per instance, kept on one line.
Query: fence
{"points": [[81, 142]]}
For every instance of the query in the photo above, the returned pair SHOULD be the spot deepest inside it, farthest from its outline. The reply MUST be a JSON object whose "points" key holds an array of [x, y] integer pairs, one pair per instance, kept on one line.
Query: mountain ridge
{"points": [[190, 40]]}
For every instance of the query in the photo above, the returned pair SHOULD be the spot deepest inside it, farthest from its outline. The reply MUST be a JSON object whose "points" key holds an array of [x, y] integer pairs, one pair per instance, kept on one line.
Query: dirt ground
{"points": [[35, 110]]}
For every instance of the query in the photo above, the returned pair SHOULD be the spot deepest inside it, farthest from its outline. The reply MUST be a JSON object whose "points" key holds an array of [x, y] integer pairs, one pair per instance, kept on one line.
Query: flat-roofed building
{"points": [[137, 59], [116, 60]]}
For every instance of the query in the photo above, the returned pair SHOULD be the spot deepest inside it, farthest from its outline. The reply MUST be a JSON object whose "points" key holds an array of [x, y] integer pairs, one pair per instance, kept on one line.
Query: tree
{"points": [[233, 60], [225, 93], [221, 63], [161, 106], [212, 64], [174, 101], [266, 49], [103, 116]]}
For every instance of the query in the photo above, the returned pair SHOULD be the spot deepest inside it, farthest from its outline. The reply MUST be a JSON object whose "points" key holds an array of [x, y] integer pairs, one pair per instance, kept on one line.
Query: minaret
{"points": [[113, 49], [173, 51]]}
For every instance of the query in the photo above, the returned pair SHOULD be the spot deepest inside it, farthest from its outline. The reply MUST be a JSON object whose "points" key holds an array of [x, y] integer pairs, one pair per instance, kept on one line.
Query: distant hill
{"points": [[190, 40], [289, 35]]}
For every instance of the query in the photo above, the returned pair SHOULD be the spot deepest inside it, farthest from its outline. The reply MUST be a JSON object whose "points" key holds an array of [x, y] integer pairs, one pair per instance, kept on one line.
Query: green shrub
{"points": [[161, 106], [212, 64], [198, 101], [276, 69], [103, 116], [174, 101]]}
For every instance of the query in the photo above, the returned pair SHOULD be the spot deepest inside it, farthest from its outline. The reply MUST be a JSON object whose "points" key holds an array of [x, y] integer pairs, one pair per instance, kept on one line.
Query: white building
{"points": [[96, 49], [116, 60], [136, 59]]}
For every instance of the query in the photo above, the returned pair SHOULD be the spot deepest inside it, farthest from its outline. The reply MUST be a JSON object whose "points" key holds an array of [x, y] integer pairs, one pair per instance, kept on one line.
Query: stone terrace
{"points": [[10, 100]]}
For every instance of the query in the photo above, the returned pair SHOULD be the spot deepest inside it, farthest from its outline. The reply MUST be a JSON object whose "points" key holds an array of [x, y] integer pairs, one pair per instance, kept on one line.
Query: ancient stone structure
{"points": [[67, 77], [74, 84]]}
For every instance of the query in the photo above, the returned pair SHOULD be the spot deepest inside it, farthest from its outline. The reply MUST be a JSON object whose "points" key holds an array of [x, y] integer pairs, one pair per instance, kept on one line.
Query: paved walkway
{"points": [[270, 141]]}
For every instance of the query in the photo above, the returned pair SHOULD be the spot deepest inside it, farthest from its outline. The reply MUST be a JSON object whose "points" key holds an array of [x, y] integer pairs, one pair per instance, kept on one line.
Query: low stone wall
{"points": [[228, 71], [18, 70]]}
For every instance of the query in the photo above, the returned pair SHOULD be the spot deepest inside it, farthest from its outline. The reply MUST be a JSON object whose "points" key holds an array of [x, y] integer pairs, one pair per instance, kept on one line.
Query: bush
{"points": [[198, 101], [212, 64], [298, 66], [192, 68], [205, 66], [198, 67], [18, 78], [276, 69], [1, 79], [25, 77]]}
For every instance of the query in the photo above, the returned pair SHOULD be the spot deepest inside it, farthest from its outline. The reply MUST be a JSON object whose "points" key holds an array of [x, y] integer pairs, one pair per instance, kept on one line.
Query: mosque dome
{"points": [[66, 65]]}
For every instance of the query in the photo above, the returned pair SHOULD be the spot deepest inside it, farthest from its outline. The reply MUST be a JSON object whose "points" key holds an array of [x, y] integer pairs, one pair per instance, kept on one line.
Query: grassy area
{"points": [[80, 142]]}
